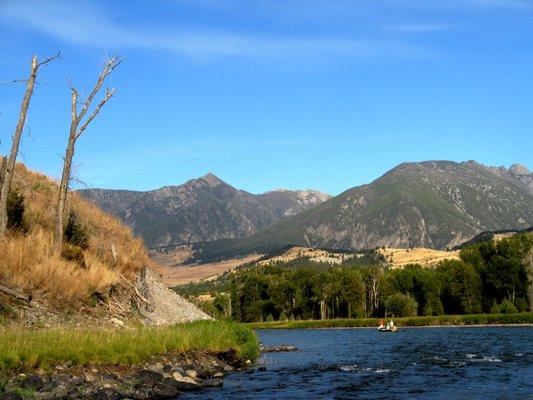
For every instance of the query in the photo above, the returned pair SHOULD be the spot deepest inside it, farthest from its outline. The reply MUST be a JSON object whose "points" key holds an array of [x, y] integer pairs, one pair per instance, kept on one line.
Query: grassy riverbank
{"points": [[22, 349], [441, 320]]}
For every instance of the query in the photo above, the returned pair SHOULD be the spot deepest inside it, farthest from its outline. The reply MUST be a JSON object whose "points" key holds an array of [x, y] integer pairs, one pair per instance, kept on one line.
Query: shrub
{"points": [[521, 304], [505, 307], [76, 232], [74, 253], [15, 210], [401, 305]]}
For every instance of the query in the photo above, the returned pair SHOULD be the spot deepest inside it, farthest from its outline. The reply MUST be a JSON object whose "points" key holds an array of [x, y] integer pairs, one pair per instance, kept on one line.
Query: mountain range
{"points": [[435, 204], [200, 210]]}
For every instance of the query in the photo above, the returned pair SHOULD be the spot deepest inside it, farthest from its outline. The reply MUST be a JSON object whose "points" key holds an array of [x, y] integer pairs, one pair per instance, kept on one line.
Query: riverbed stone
{"points": [[149, 377], [179, 370], [212, 383], [60, 391], [105, 394], [187, 383], [32, 382], [219, 375], [191, 373]]}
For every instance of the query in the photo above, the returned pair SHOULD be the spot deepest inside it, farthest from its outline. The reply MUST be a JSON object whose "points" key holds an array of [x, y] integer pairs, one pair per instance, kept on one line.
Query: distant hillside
{"points": [[433, 204], [486, 236], [203, 209]]}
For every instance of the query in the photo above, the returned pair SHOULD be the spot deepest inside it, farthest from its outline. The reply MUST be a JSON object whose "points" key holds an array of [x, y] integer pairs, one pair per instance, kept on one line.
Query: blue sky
{"points": [[267, 94]]}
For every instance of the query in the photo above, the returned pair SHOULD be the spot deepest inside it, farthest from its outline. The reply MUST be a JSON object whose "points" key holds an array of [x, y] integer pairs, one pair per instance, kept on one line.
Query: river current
{"points": [[414, 363]]}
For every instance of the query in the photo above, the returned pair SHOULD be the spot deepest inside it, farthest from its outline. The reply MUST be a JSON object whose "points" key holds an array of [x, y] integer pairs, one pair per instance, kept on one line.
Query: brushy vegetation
{"points": [[27, 349], [440, 320], [29, 264]]}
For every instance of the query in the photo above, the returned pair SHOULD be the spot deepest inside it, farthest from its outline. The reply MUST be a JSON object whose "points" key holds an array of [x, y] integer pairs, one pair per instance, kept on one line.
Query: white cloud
{"points": [[87, 25]]}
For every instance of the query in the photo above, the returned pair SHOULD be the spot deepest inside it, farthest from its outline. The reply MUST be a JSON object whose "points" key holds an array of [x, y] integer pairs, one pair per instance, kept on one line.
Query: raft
{"points": [[393, 328]]}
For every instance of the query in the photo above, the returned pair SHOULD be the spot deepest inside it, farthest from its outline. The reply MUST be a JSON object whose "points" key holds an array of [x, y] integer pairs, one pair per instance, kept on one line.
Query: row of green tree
{"points": [[489, 277]]}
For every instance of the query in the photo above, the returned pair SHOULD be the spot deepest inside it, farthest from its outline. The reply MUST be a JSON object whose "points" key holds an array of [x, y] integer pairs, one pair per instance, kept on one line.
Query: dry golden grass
{"points": [[172, 256], [427, 257], [317, 255], [181, 275], [29, 264]]}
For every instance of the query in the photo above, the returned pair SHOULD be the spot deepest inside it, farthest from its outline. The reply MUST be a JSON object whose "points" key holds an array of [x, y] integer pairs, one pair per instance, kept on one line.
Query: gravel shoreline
{"points": [[160, 378]]}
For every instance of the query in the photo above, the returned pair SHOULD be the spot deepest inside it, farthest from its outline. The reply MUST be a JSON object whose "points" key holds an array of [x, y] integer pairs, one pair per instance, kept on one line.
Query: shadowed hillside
{"points": [[200, 210]]}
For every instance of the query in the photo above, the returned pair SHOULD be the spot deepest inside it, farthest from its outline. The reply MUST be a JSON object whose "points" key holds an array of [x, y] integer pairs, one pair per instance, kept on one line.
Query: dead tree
{"points": [[77, 126], [8, 163]]}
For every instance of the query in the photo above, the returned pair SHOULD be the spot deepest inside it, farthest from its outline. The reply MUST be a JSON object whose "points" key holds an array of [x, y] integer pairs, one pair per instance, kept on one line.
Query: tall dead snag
{"points": [[77, 127], [8, 164]]}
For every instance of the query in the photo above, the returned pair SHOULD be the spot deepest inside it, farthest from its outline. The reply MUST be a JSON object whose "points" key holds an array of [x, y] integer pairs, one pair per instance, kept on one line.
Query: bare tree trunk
{"points": [[8, 164], [2, 170], [7, 172], [229, 310], [65, 176], [323, 307], [77, 127]]}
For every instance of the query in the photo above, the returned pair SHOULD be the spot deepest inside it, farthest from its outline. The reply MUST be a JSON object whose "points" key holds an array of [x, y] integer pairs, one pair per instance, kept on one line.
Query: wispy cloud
{"points": [[343, 9], [87, 25], [524, 4], [417, 28]]}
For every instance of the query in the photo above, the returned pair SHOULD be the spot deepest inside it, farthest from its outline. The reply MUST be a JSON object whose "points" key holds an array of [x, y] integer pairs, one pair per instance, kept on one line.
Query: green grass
{"points": [[472, 319], [24, 349]]}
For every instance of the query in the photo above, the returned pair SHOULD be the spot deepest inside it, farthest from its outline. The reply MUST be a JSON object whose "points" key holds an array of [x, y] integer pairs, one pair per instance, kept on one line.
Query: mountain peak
{"points": [[211, 179], [519, 169]]}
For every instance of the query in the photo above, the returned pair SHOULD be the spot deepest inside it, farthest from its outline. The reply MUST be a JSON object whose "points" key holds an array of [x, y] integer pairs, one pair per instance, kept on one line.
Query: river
{"points": [[437, 363]]}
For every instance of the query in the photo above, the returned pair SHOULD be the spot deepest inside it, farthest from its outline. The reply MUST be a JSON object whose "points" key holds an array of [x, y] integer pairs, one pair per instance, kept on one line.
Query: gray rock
{"points": [[212, 383], [105, 394], [60, 392], [219, 375], [280, 348], [186, 383], [49, 386], [32, 382], [149, 377], [109, 376], [178, 369]]}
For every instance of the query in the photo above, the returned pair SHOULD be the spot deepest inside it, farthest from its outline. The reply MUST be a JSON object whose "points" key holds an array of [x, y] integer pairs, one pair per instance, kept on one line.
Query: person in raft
{"points": [[380, 323]]}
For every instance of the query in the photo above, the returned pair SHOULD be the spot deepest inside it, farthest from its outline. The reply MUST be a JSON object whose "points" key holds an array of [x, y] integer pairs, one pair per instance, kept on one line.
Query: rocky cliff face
{"points": [[202, 209], [436, 204], [517, 174]]}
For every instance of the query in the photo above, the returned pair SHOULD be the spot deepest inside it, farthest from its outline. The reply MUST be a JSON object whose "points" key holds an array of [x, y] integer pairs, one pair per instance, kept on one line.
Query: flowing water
{"points": [[436, 363]]}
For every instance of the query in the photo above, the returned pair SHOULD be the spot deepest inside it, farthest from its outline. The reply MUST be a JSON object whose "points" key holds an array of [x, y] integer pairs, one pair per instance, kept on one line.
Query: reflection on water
{"points": [[442, 363]]}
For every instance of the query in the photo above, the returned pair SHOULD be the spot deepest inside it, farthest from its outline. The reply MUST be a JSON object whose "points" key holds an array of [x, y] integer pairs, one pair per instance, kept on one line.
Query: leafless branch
{"points": [[109, 93], [13, 81], [49, 59], [110, 65]]}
